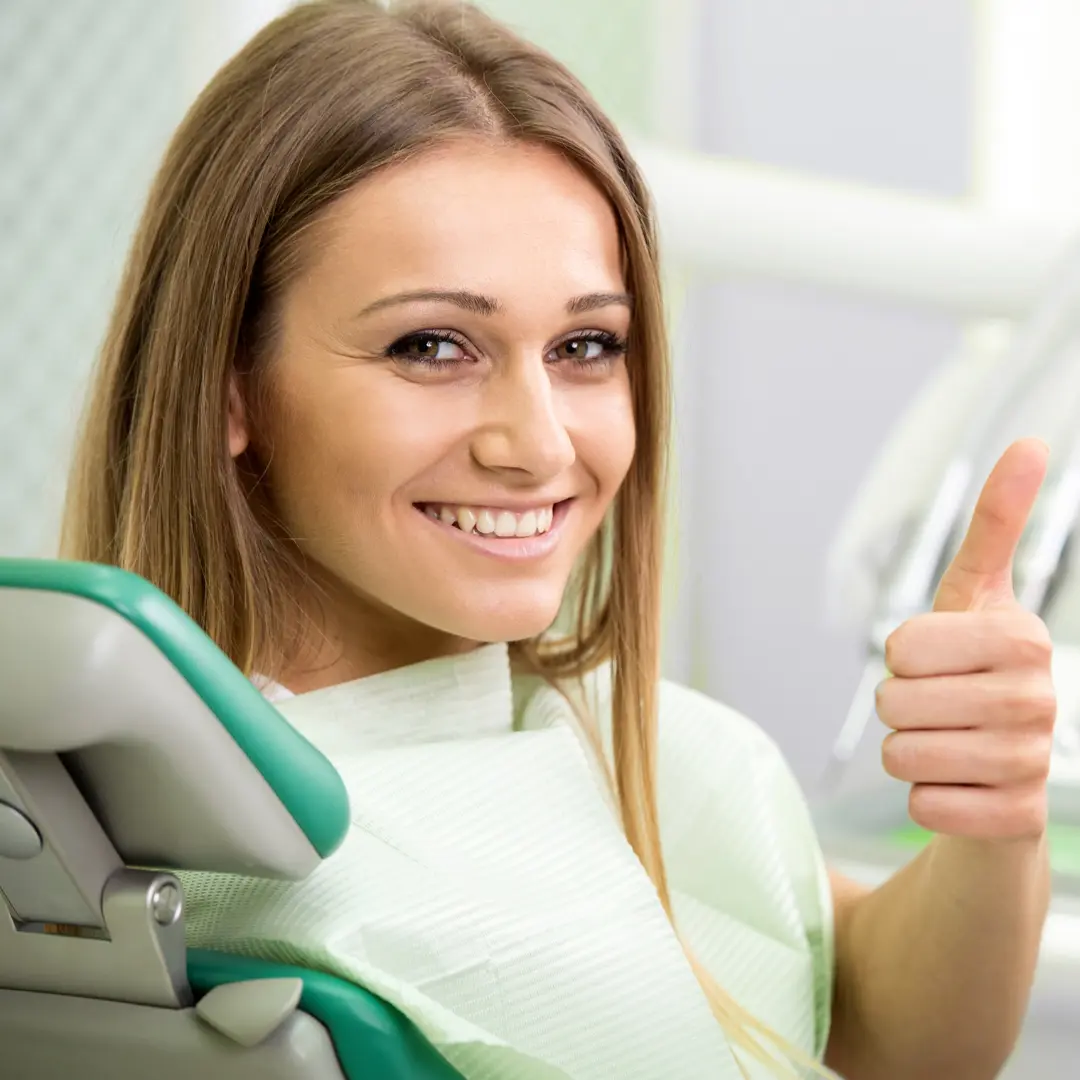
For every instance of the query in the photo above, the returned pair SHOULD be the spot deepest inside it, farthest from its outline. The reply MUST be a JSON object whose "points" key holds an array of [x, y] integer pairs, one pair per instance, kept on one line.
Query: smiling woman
{"points": [[384, 400], [456, 346], [386, 387]]}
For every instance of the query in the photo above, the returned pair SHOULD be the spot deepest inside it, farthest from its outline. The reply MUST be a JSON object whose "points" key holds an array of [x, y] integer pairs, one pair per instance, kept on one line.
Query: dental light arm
{"points": [[1040, 351]]}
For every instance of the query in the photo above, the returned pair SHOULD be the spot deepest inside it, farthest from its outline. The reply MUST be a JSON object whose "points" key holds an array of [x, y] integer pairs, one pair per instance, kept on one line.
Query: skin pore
{"points": [[452, 355]]}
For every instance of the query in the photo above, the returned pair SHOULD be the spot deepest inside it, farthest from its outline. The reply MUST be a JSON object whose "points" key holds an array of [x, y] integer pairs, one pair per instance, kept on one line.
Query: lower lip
{"points": [[515, 548]]}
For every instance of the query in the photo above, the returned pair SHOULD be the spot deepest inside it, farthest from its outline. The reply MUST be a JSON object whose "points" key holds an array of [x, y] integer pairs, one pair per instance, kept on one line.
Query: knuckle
{"points": [[1029, 815], [1044, 703], [1040, 703], [1030, 639], [1040, 632], [1034, 651], [1032, 702], [992, 515], [1040, 761], [1028, 762]]}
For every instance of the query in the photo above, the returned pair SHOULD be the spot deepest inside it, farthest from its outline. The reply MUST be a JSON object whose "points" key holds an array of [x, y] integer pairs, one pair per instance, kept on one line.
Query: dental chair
{"points": [[131, 747]]}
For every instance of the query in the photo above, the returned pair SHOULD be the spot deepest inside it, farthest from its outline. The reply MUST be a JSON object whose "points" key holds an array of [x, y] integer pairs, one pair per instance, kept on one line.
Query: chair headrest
{"points": [[184, 762]]}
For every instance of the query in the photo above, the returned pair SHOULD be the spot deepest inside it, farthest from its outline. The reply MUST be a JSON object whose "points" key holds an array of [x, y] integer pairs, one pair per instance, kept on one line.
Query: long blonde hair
{"points": [[321, 98]]}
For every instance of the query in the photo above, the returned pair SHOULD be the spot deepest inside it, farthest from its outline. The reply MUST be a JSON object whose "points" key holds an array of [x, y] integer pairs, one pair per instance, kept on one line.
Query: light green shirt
{"points": [[485, 888]]}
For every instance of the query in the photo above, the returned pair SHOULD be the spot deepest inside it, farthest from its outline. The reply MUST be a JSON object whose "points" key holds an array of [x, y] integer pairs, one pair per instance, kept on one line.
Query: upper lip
{"points": [[515, 506]]}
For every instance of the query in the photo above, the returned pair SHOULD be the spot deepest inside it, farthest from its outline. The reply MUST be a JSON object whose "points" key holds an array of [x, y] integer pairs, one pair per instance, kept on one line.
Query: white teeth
{"points": [[501, 523], [506, 524]]}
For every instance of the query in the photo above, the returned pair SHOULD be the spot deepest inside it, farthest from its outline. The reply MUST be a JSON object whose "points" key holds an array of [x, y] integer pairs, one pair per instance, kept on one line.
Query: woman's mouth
{"points": [[492, 521], [494, 530]]}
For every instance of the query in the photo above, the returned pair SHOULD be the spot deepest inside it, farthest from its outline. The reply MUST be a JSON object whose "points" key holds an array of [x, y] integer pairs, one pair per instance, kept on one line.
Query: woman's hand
{"points": [[971, 701], [934, 967]]}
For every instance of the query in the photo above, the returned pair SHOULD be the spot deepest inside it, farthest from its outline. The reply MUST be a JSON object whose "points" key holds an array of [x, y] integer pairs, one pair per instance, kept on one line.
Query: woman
{"points": [[384, 400]]}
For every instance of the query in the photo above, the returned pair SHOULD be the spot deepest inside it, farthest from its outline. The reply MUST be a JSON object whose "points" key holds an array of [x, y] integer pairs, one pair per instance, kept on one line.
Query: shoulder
{"points": [[690, 723], [721, 779], [727, 796], [705, 742], [740, 844], [725, 785], [744, 865], [690, 714]]}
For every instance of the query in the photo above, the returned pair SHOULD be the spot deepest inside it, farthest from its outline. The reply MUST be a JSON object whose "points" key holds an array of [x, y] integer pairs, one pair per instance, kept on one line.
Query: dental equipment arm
{"points": [[1039, 352]]}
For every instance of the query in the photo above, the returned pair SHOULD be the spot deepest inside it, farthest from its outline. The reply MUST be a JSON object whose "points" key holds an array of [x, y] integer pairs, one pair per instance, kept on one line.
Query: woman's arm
{"points": [[934, 968]]}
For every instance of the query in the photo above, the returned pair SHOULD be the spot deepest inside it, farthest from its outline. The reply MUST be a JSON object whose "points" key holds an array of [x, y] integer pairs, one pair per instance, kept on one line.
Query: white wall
{"points": [[794, 391], [88, 95]]}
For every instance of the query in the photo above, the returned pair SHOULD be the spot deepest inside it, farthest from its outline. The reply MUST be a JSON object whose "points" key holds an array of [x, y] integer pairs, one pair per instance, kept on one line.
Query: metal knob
{"points": [[166, 902]]}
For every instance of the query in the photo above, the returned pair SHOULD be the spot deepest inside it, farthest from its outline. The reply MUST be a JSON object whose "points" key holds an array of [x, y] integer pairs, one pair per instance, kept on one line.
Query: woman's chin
{"points": [[490, 631], [502, 621]]}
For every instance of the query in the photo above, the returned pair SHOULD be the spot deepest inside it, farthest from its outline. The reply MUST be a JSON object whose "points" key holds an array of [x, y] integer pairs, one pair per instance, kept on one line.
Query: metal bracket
{"points": [[140, 957], [73, 919], [62, 881]]}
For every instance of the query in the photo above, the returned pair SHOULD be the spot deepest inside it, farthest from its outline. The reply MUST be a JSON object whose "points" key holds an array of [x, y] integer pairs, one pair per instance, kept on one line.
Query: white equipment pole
{"points": [[736, 219], [1027, 146]]}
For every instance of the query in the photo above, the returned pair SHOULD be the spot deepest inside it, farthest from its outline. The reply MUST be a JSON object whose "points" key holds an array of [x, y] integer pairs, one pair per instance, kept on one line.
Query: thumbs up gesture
{"points": [[970, 698]]}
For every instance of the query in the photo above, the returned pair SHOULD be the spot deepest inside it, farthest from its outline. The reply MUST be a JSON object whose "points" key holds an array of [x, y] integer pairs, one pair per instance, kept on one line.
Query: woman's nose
{"points": [[521, 429]]}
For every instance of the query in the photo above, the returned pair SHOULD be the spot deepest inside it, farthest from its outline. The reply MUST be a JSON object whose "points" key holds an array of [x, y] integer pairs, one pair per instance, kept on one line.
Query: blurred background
{"points": [[867, 211]]}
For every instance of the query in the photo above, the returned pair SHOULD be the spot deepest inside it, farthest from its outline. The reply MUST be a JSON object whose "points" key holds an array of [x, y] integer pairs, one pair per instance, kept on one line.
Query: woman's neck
{"points": [[347, 643]]}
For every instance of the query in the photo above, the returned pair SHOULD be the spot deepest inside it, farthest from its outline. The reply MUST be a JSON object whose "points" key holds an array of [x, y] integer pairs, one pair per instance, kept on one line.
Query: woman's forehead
{"points": [[489, 216]]}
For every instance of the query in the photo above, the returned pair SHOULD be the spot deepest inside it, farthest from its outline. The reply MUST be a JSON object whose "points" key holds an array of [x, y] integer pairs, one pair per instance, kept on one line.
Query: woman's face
{"points": [[451, 413]]}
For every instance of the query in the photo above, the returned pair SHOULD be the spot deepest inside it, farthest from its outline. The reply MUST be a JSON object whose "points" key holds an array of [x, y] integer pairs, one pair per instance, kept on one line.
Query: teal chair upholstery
{"points": [[131, 747]]}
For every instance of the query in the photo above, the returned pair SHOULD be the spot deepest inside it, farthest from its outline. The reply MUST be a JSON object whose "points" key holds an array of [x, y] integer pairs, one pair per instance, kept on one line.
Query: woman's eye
{"points": [[432, 349], [600, 349]]}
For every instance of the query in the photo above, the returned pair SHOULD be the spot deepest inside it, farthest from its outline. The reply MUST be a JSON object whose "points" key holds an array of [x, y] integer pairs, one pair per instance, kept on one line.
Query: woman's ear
{"points": [[239, 436]]}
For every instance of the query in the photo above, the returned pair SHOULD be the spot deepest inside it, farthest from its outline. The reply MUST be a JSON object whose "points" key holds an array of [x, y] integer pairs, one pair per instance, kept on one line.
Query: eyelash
{"points": [[614, 347]]}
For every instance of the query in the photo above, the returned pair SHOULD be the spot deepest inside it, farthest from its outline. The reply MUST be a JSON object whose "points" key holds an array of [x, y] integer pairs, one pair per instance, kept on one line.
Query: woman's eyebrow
{"points": [[593, 301], [485, 305], [470, 301]]}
